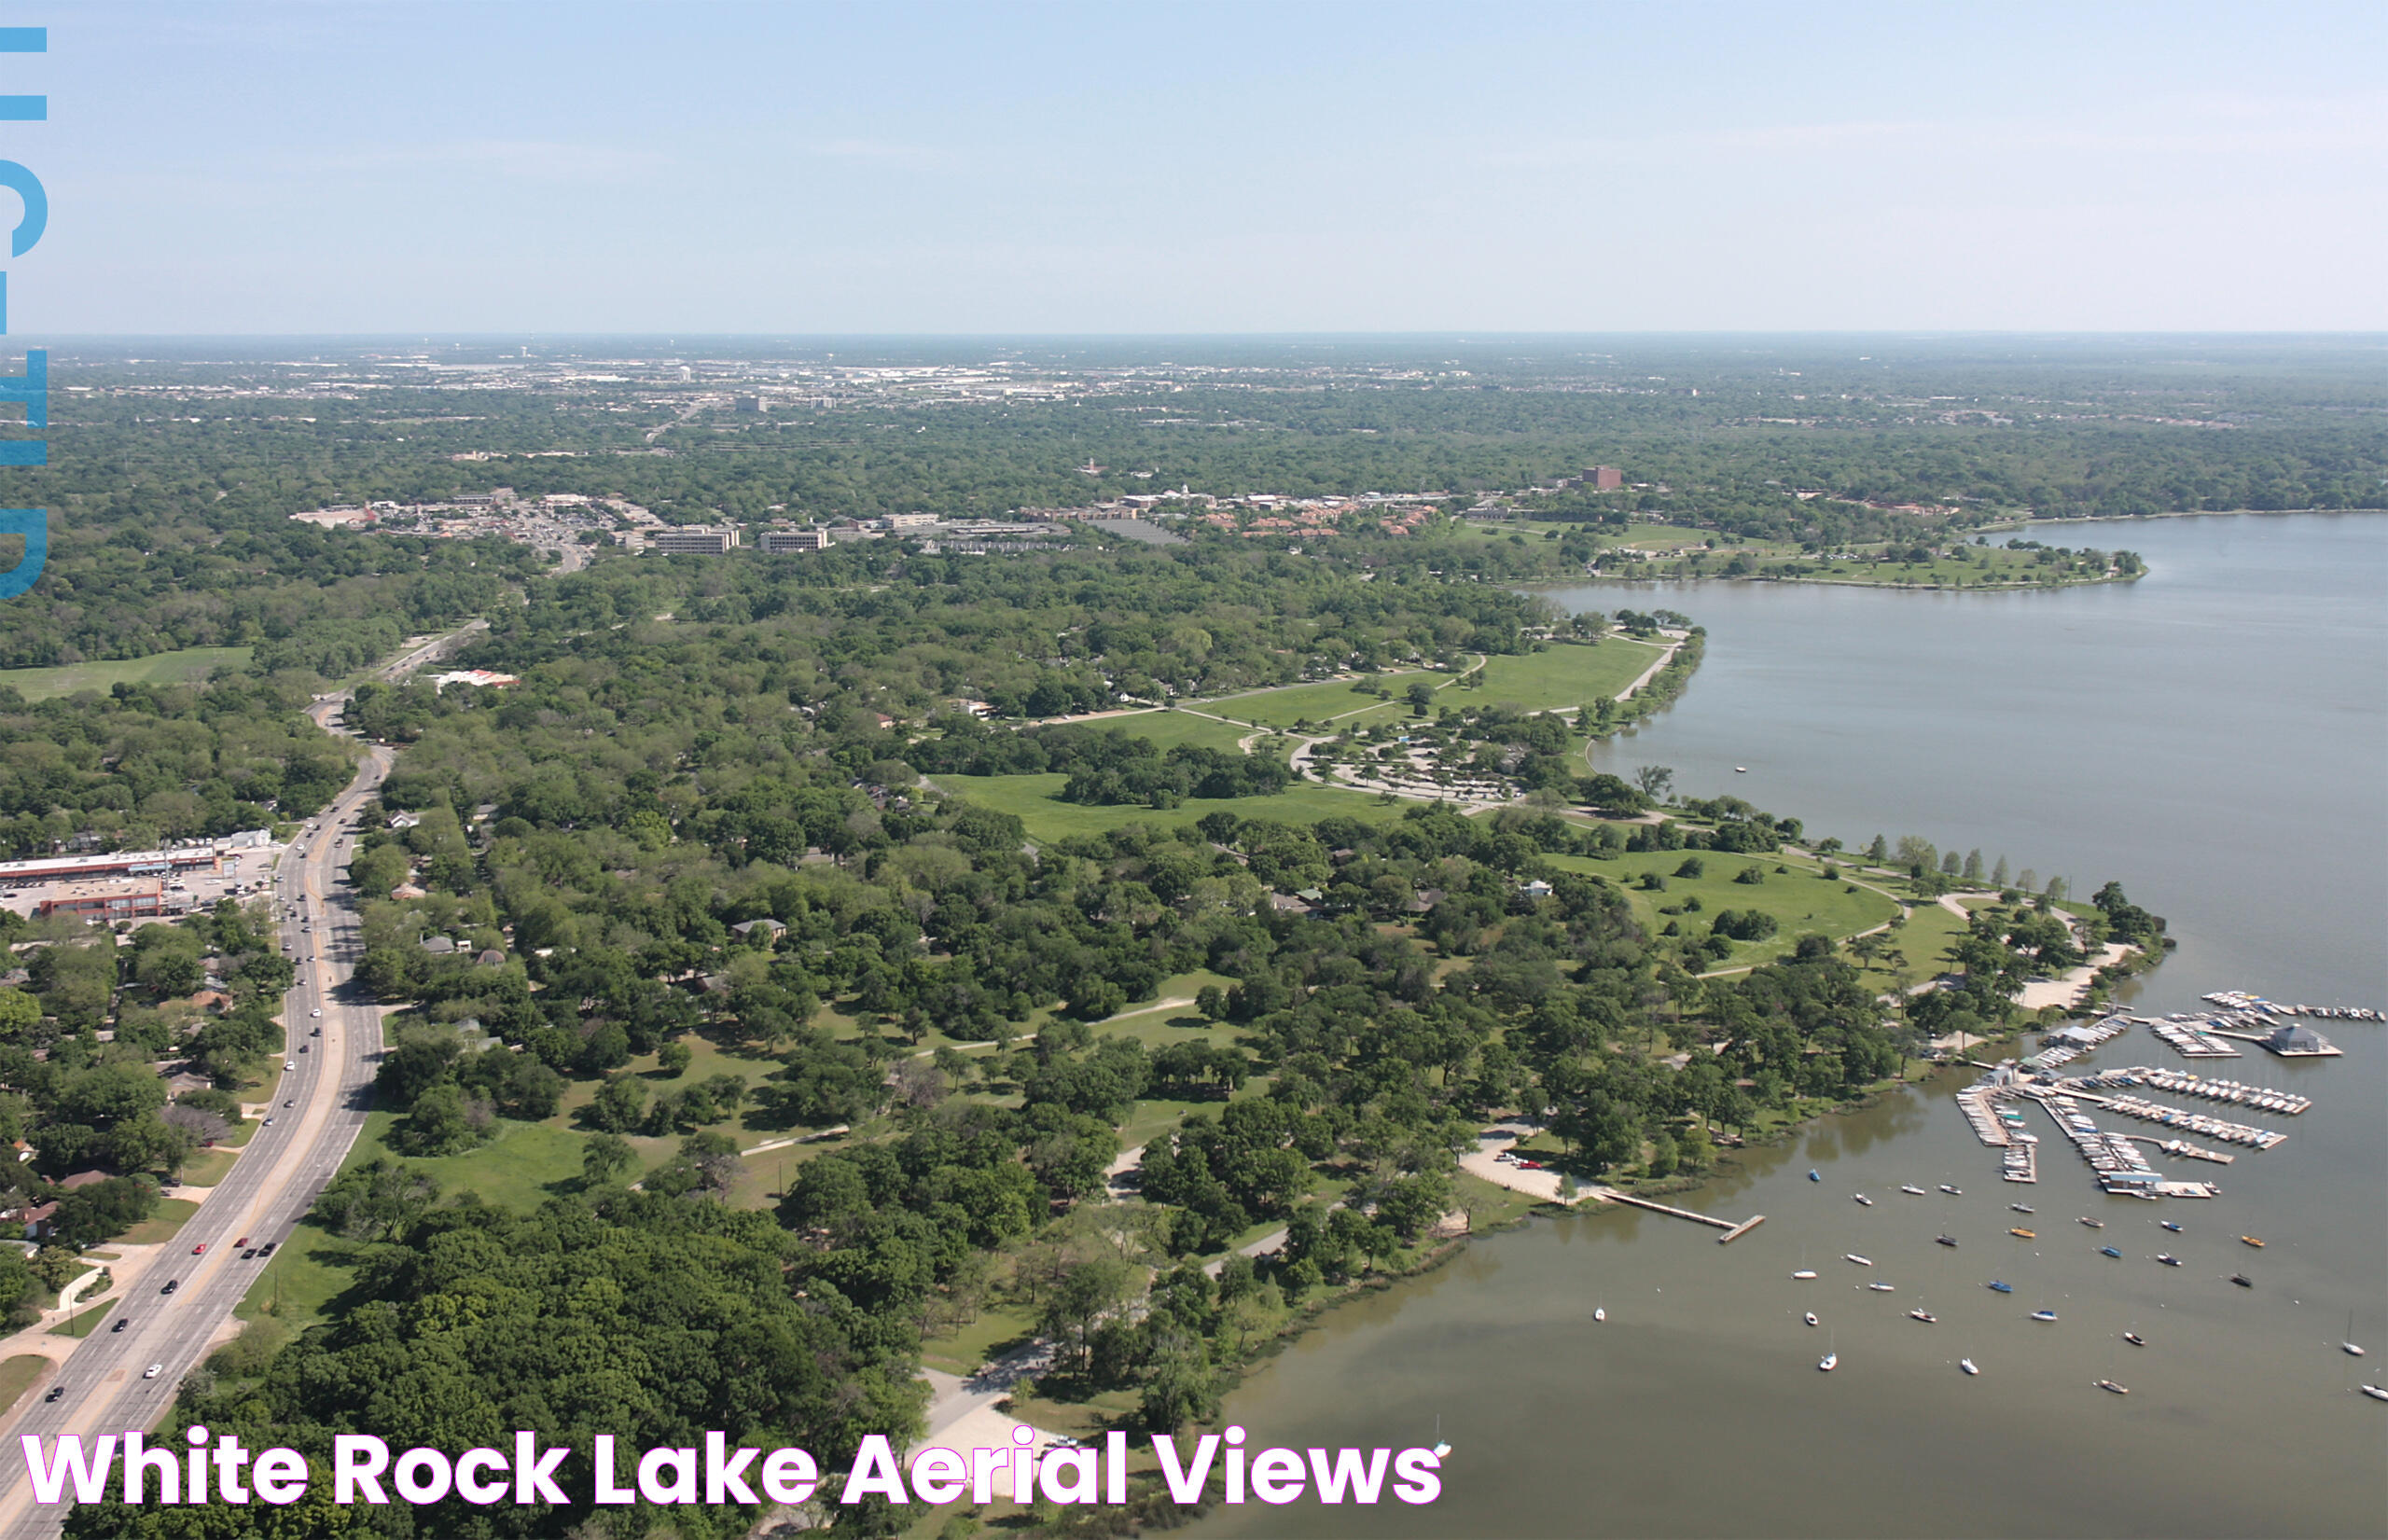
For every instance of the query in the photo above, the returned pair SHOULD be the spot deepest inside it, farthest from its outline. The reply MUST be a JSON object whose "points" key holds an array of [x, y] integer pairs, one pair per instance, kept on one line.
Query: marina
{"points": [[2285, 1104], [2189, 1041], [2236, 999]]}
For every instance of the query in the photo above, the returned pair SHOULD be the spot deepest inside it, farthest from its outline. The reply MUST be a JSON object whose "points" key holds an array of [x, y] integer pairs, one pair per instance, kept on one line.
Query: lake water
{"points": [[2216, 737]]}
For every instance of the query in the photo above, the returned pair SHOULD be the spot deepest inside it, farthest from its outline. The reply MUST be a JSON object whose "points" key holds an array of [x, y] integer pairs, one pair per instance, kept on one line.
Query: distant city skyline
{"points": [[333, 168]]}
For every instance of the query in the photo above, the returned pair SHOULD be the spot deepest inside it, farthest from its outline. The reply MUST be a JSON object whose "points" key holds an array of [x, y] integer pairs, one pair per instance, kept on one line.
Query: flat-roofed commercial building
{"points": [[104, 901], [786, 540], [695, 540]]}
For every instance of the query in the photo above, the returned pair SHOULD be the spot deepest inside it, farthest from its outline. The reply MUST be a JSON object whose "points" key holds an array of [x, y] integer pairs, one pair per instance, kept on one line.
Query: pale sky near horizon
{"points": [[1138, 168]]}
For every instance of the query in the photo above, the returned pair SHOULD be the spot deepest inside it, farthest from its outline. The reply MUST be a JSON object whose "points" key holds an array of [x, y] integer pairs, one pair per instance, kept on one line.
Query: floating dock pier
{"points": [[1734, 1229]]}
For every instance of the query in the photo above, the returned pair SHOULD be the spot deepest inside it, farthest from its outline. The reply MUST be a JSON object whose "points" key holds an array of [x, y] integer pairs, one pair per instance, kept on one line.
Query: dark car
{"points": [[121, 1322], [172, 1285], [248, 1253], [55, 1392], [267, 1250]]}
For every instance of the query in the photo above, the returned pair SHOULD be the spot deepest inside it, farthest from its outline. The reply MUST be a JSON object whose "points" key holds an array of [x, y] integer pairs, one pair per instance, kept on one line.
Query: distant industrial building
{"points": [[777, 541], [752, 405], [1604, 478], [907, 520], [695, 540]]}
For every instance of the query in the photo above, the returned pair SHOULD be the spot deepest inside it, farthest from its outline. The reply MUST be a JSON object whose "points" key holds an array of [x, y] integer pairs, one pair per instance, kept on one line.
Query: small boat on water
{"points": [[2170, 1226], [2109, 1251], [2167, 1259], [2002, 1288], [1910, 1189], [2024, 1234], [1969, 1366], [2093, 1224], [2108, 1384], [2376, 1393], [1861, 1261], [1441, 1449], [2350, 1347], [2243, 1280], [1863, 1198], [2044, 1315], [2251, 1241], [2134, 1339], [1953, 1192], [1814, 1177], [1923, 1315], [1805, 1272], [1945, 1240], [1812, 1318], [1884, 1288], [1599, 1312], [1829, 1362], [2022, 1208], [1741, 769]]}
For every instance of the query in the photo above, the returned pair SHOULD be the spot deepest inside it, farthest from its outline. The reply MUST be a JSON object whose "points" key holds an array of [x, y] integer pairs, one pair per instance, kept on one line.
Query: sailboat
{"points": [[2109, 1251], [2108, 1384], [1864, 1200], [1805, 1272], [2349, 1346], [2093, 1224], [1969, 1366], [1812, 1318], [1831, 1360], [1861, 1261], [1441, 1449], [2376, 1393], [1599, 1312], [1813, 1177], [2134, 1339], [1910, 1189]]}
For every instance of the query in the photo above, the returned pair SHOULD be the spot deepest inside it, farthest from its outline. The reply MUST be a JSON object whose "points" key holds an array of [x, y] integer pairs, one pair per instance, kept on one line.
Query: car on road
{"points": [[291, 1102], [248, 1253], [153, 1371], [242, 1242], [315, 1013], [302, 1047], [172, 1285], [121, 1322], [267, 1124], [55, 1392], [267, 1250], [199, 1250], [290, 1063]]}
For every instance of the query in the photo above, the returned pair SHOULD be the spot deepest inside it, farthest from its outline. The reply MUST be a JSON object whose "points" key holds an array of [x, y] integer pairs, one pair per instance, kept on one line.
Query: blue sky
{"points": [[1147, 168]]}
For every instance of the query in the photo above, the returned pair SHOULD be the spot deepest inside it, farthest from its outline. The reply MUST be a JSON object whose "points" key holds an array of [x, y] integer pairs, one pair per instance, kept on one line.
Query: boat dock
{"points": [[1734, 1229], [2195, 1122], [2189, 1039], [2237, 1000], [2181, 1149], [2022, 1159], [1976, 1103], [2117, 1160], [2286, 1103]]}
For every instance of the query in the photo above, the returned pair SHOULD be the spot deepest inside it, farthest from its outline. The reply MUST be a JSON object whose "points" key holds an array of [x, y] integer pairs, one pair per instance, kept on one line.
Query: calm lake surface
{"points": [[2216, 737]]}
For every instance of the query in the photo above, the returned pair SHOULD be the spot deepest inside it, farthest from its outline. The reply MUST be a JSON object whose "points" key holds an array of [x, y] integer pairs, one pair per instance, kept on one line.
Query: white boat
{"points": [[1861, 1261], [2349, 1347], [1910, 1189], [1884, 1288], [1805, 1272], [1741, 769], [1923, 1315], [1441, 1449], [1599, 1312], [1863, 1198], [1969, 1366], [1953, 1192], [1812, 1318], [2376, 1393], [2110, 1385]]}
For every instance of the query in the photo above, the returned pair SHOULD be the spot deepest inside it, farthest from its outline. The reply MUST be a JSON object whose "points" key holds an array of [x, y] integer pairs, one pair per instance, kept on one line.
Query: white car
{"points": [[153, 1371], [290, 1063], [315, 1013]]}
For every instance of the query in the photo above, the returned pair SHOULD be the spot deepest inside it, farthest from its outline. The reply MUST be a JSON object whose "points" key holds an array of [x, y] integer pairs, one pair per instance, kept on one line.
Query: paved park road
{"points": [[273, 1183]]}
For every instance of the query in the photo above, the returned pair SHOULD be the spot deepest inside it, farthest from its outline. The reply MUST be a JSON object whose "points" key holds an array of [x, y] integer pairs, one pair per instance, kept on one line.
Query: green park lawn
{"points": [[1801, 902], [85, 1321], [1166, 729], [515, 1169], [1335, 700], [296, 1285], [1566, 674], [1050, 818], [186, 666], [207, 1168]]}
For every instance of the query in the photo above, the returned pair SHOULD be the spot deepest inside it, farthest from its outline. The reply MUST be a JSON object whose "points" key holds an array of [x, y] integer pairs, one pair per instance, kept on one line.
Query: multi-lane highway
{"points": [[318, 1098]]}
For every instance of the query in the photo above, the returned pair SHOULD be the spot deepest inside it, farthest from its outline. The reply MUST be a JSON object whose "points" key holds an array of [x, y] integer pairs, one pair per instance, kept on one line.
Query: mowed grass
{"points": [[16, 1376], [1801, 902], [164, 668], [163, 1223], [207, 1168], [514, 1169], [1333, 699], [297, 1284], [1166, 729], [1033, 798], [1567, 675], [85, 1321]]}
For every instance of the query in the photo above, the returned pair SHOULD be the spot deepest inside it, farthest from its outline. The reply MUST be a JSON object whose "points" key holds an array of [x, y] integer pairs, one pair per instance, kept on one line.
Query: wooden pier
{"points": [[1733, 1231]]}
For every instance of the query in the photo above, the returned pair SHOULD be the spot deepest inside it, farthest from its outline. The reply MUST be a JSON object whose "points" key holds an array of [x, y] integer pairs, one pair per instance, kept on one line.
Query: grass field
{"points": [[207, 1168], [16, 1376], [85, 1321], [163, 668], [1166, 729], [1032, 796], [1801, 902], [163, 1223], [513, 1169], [306, 1273], [1335, 699], [1566, 675]]}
